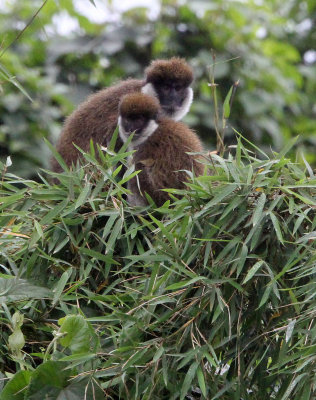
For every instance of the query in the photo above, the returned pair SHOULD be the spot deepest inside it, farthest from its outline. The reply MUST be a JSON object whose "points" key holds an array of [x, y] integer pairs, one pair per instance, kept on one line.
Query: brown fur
{"points": [[94, 119], [133, 104], [162, 157], [175, 68]]}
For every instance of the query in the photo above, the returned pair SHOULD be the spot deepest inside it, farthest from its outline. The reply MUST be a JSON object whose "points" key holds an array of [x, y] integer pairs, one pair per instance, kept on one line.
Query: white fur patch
{"points": [[149, 90], [147, 132], [122, 132], [184, 109]]}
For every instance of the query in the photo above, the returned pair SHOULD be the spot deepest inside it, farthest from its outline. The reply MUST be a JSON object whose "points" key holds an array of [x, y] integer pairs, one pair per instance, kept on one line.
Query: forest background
{"points": [[60, 52], [212, 295]]}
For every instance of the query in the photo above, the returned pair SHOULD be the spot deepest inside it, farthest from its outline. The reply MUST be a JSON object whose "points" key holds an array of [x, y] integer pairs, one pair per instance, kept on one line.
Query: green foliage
{"points": [[211, 296]]}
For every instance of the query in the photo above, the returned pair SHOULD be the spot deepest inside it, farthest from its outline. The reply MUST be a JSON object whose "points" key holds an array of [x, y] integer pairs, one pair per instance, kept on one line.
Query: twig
{"points": [[24, 29]]}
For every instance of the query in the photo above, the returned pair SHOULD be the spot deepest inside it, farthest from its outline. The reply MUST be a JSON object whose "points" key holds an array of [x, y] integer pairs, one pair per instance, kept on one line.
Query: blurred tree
{"points": [[267, 46]]}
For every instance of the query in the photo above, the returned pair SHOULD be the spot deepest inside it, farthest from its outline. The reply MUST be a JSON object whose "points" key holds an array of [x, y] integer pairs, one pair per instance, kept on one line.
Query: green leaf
{"points": [[98, 255], [304, 199], [226, 105], [179, 285], [288, 147], [289, 330], [52, 381], [16, 340], [83, 196], [188, 379], [48, 380], [164, 230], [78, 334], [201, 381], [276, 225], [55, 211], [253, 270], [292, 386], [158, 354], [265, 296], [226, 191], [20, 289], [258, 211], [165, 370], [114, 236], [114, 139], [39, 229], [15, 389], [61, 286], [134, 358], [57, 156], [242, 259], [12, 79]]}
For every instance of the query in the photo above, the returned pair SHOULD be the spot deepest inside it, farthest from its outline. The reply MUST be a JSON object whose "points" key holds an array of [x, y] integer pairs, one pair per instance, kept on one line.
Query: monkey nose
{"points": [[173, 92], [135, 129]]}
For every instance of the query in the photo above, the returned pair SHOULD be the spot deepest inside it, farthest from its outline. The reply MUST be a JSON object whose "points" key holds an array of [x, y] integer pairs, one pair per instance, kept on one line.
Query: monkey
{"points": [[166, 80], [161, 145]]}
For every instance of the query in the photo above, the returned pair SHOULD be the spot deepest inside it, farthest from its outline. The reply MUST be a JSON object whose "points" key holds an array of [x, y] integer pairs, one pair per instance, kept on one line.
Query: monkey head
{"points": [[169, 81], [138, 114]]}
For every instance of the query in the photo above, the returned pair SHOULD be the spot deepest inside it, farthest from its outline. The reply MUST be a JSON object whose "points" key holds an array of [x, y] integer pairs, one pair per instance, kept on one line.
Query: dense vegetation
{"points": [[210, 297]]}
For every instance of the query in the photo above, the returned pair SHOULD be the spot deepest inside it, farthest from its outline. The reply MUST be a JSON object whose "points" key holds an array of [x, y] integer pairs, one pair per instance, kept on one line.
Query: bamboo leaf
{"points": [[201, 381], [291, 387], [98, 255], [276, 226], [134, 358], [225, 192], [289, 330], [253, 270], [188, 379], [265, 296], [54, 212], [83, 196], [226, 105], [259, 209], [61, 286]]}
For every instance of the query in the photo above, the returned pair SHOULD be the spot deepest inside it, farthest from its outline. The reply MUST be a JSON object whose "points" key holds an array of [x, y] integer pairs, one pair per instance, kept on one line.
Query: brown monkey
{"points": [[161, 146], [167, 80]]}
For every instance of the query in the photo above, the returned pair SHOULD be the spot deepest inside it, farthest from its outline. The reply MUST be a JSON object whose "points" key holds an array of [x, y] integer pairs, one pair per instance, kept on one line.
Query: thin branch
{"points": [[24, 29]]}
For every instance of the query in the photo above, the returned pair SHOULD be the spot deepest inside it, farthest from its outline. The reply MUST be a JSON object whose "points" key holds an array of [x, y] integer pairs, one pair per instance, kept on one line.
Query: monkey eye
{"points": [[136, 117], [169, 86]]}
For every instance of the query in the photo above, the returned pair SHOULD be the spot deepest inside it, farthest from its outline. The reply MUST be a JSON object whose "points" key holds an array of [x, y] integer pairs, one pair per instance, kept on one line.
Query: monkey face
{"points": [[138, 114], [134, 123], [169, 81], [175, 96], [140, 125], [171, 94]]}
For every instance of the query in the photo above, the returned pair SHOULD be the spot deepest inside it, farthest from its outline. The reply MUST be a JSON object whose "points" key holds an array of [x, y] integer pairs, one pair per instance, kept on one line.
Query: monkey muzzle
{"points": [[134, 127], [172, 105], [170, 109]]}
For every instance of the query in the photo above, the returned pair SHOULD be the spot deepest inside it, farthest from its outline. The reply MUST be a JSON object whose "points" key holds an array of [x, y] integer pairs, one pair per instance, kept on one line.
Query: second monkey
{"points": [[162, 147]]}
